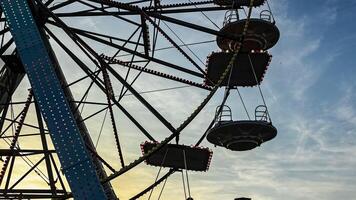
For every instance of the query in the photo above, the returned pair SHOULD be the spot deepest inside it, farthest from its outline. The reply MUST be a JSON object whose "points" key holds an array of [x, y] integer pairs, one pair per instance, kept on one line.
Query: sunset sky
{"points": [[309, 88]]}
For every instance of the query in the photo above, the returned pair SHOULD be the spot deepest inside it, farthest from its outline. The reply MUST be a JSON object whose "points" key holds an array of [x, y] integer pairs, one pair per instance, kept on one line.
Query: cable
{"points": [[270, 10], [155, 34], [132, 59], [171, 47], [160, 90], [244, 11], [243, 103], [226, 94], [134, 80], [206, 16], [12, 118], [164, 184], [155, 184], [185, 192], [101, 128], [85, 96], [159, 171], [186, 172], [183, 42], [259, 87]]}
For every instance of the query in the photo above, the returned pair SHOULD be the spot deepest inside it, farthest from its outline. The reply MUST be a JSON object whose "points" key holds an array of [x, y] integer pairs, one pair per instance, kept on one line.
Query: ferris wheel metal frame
{"points": [[27, 22]]}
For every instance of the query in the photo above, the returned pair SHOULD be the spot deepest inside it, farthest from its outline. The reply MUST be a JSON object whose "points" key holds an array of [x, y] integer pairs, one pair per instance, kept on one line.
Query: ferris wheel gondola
{"points": [[241, 135], [241, 74]]}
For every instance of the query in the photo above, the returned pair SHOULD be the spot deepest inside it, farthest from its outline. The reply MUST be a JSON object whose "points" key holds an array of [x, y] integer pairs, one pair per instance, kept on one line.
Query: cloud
{"points": [[345, 107]]}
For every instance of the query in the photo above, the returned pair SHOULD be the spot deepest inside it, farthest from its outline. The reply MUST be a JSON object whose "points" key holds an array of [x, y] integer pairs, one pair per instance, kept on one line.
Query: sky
{"points": [[309, 89]]}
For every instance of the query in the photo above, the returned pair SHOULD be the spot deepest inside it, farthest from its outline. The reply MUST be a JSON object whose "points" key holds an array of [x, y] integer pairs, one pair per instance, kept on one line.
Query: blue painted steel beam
{"points": [[76, 161]]}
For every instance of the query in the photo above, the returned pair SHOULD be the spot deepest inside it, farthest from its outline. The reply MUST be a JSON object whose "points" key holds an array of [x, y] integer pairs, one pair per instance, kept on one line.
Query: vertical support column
{"points": [[76, 162]]}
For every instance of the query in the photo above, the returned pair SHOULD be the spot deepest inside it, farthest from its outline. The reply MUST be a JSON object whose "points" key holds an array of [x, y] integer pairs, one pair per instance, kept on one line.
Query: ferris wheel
{"points": [[79, 81]]}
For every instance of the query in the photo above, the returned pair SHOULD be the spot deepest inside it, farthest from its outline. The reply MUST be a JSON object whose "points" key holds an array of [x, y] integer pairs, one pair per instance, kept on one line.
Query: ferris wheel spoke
{"points": [[6, 46], [93, 114], [100, 158], [15, 121], [2, 38], [190, 10], [156, 5], [5, 30], [153, 185], [27, 173], [156, 73], [176, 9], [58, 174], [48, 2], [139, 1], [146, 35], [82, 78], [177, 5], [129, 13]]}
